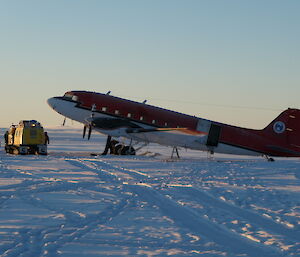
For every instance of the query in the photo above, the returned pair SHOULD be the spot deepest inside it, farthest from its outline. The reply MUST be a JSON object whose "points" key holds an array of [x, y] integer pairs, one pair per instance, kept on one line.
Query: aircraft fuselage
{"points": [[119, 117]]}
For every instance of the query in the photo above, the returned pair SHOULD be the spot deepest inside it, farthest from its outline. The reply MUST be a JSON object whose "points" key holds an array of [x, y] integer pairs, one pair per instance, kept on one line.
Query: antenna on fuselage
{"points": [[108, 92], [93, 109], [145, 101]]}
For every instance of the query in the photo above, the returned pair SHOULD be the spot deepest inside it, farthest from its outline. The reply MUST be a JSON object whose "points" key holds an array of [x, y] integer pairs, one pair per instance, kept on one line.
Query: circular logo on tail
{"points": [[279, 127]]}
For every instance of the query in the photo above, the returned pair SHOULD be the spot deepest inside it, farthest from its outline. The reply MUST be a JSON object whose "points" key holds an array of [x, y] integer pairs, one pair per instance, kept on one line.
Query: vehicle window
{"points": [[33, 133]]}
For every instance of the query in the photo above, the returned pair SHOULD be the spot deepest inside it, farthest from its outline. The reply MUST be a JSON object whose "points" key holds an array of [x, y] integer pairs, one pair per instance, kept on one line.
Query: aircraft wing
{"points": [[183, 130], [133, 128]]}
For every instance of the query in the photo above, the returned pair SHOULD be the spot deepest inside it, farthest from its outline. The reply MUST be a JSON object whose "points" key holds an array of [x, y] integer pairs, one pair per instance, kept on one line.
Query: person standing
{"points": [[6, 137], [47, 140]]}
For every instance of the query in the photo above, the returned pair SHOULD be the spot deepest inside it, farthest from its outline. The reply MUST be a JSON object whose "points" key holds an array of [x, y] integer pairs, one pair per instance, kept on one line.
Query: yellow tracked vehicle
{"points": [[28, 137]]}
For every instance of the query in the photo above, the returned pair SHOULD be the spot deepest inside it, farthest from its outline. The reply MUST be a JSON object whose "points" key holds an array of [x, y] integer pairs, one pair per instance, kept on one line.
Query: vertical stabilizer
{"points": [[285, 129]]}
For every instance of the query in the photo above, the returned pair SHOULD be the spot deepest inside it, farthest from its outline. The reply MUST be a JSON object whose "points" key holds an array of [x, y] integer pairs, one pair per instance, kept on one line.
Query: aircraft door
{"points": [[213, 135]]}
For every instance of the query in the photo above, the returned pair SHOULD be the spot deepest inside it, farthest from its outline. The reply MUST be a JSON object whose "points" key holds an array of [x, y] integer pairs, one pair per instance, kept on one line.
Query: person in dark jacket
{"points": [[6, 137], [47, 141]]}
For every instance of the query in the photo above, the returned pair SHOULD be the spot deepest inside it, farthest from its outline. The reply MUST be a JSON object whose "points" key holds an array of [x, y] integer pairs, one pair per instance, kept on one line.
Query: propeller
{"points": [[89, 127], [90, 132], [89, 124]]}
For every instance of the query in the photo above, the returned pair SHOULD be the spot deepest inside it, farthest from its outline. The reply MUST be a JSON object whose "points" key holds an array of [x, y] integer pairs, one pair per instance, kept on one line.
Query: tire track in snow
{"points": [[187, 218], [37, 242], [27, 241], [40, 242], [77, 229], [27, 244], [206, 198], [34, 241], [183, 216], [74, 226], [269, 225]]}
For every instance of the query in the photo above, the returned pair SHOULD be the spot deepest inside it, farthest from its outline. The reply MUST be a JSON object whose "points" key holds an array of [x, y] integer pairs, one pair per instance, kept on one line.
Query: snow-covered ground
{"points": [[72, 204]]}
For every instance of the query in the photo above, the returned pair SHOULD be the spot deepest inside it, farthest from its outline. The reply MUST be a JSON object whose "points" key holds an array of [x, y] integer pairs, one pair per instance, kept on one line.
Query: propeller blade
{"points": [[90, 132], [84, 130]]}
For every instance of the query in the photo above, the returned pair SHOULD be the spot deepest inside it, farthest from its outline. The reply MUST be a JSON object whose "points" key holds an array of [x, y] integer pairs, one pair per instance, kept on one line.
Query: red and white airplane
{"points": [[117, 117]]}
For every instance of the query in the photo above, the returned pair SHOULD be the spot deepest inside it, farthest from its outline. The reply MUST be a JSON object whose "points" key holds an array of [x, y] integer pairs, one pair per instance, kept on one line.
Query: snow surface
{"points": [[72, 204]]}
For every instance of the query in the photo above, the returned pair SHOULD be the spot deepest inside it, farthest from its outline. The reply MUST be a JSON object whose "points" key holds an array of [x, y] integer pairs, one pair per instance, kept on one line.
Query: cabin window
{"points": [[153, 121], [129, 115], [141, 118], [117, 112], [166, 124], [104, 109]]}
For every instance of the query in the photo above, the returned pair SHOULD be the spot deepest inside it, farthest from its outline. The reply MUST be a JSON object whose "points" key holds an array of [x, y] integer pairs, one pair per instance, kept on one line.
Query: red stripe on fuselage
{"points": [[149, 114]]}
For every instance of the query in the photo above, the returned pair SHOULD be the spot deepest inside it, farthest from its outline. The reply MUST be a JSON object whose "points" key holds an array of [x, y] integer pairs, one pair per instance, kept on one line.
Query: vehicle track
{"points": [[183, 216], [38, 241], [49, 240], [258, 220]]}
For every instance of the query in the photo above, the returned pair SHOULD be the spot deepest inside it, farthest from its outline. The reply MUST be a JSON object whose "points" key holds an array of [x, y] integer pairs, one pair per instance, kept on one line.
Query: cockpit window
{"points": [[70, 97]]}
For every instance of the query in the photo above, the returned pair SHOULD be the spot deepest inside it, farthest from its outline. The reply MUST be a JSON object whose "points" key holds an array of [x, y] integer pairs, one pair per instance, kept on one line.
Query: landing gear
{"points": [[107, 146], [175, 150], [268, 158], [210, 154], [116, 148]]}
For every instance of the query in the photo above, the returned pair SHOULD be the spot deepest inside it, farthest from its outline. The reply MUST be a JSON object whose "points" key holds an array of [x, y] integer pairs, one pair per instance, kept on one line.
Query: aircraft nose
{"points": [[52, 102]]}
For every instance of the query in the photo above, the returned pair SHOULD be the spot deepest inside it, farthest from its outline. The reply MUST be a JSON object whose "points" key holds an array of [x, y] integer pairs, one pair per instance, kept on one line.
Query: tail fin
{"points": [[285, 128]]}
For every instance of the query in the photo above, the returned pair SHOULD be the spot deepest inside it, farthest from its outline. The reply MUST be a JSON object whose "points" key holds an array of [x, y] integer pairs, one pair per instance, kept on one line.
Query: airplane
{"points": [[118, 117]]}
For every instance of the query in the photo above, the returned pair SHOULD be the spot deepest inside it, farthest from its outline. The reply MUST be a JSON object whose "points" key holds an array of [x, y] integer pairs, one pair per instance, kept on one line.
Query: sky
{"points": [[231, 61]]}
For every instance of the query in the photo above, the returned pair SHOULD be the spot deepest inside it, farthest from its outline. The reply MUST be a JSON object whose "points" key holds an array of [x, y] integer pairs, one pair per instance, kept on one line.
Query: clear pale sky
{"points": [[232, 61]]}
